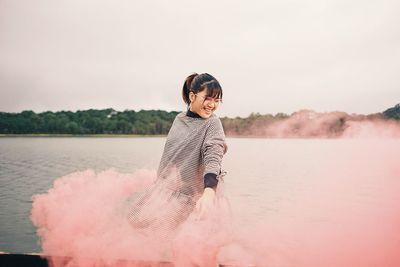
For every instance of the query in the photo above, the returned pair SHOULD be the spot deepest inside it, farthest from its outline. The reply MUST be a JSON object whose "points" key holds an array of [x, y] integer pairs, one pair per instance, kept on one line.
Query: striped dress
{"points": [[194, 147]]}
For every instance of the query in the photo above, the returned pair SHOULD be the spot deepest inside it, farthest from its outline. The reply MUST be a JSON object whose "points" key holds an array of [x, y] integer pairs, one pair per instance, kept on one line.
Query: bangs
{"points": [[214, 90]]}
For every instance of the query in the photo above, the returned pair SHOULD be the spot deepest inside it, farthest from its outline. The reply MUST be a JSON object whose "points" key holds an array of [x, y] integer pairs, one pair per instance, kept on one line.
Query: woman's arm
{"points": [[213, 150]]}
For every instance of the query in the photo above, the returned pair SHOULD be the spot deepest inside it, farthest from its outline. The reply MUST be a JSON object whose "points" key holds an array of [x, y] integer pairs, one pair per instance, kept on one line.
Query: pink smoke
{"points": [[372, 129], [81, 217], [311, 124], [344, 213], [81, 220]]}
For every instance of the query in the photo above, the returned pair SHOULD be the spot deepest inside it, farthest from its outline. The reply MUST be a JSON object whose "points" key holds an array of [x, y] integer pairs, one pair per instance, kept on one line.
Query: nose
{"points": [[211, 104]]}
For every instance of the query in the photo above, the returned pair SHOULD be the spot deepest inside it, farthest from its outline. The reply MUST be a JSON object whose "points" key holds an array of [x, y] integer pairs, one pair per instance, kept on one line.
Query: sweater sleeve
{"points": [[210, 180], [214, 147]]}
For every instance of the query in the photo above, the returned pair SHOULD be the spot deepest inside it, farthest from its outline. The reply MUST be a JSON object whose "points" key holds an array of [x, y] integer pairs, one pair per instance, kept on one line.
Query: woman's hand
{"points": [[205, 203]]}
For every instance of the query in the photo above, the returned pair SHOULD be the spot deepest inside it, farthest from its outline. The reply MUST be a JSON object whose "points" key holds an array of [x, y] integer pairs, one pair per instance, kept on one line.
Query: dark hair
{"points": [[197, 83]]}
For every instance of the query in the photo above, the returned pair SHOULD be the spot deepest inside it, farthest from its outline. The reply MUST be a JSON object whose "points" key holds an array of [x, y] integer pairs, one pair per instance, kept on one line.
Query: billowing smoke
{"points": [[83, 220], [342, 212], [310, 124]]}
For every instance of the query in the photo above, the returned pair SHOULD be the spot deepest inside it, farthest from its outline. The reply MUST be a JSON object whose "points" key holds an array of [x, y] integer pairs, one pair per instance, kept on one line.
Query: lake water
{"points": [[297, 202]]}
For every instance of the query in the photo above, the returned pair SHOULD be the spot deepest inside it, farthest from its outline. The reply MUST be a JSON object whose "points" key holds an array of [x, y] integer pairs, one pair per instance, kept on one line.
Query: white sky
{"points": [[269, 56]]}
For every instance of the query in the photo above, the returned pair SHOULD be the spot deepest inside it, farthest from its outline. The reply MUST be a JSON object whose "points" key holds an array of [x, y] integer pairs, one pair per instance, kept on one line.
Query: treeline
{"points": [[308, 123], [105, 121], [392, 113], [304, 123], [301, 124]]}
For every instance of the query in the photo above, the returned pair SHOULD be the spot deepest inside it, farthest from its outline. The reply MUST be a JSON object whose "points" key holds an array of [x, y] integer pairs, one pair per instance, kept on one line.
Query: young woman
{"points": [[84, 215], [190, 166]]}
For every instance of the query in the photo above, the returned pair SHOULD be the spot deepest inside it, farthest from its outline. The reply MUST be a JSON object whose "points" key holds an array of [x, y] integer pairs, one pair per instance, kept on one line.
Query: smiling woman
{"points": [[202, 93], [189, 171], [176, 213]]}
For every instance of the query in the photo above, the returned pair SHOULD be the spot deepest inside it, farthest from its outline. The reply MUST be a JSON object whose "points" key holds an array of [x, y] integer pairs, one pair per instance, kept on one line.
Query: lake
{"points": [[296, 202]]}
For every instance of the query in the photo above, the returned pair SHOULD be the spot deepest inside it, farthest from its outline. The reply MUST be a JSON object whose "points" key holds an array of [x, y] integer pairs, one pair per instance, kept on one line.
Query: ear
{"points": [[192, 96]]}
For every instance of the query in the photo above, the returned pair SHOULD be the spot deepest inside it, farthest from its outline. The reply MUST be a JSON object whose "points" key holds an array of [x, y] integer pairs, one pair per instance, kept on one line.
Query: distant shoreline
{"points": [[150, 136], [110, 123], [82, 135], [143, 135]]}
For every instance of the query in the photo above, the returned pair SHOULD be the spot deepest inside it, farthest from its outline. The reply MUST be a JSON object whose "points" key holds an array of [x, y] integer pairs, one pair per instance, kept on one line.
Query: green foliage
{"points": [[393, 113], [304, 123], [92, 121]]}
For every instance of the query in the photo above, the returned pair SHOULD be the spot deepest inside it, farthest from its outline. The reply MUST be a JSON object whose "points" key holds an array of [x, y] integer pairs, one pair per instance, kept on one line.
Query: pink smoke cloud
{"points": [[82, 217], [311, 124], [83, 221]]}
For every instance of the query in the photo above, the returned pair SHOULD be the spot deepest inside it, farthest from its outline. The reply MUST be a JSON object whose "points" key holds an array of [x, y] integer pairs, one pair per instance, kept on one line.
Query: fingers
{"points": [[202, 209]]}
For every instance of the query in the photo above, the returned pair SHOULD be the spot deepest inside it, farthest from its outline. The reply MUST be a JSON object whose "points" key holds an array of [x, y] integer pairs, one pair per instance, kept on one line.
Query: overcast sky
{"points": [[269, 56]]}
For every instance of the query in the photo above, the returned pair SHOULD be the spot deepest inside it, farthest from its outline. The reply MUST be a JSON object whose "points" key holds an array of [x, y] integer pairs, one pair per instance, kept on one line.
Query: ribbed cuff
{"points": [[210, 180]]}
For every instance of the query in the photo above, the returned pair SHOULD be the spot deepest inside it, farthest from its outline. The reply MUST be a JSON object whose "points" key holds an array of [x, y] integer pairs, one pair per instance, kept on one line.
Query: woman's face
{"points": [[203, 105]]}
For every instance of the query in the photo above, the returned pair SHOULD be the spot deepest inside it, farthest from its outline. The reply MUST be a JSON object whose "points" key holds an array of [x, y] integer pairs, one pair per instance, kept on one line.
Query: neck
{"points": [[192, 114]]}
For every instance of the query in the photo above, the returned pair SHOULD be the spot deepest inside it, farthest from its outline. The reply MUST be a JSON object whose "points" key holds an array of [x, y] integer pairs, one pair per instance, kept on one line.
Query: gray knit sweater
{"points": [[194, 147]]}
